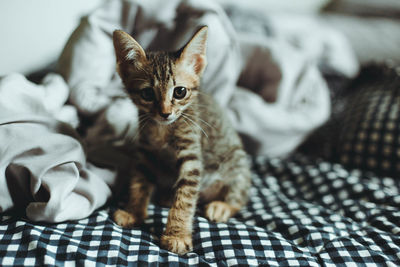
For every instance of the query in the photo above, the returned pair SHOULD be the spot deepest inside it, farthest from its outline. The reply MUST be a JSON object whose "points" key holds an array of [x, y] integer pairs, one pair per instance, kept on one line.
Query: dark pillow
{"points": [[365, 132]]}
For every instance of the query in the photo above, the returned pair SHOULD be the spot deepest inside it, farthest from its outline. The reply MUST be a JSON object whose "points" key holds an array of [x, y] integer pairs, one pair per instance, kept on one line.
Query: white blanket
{"points": [[281, 68], [43, 168], [269, 84]]}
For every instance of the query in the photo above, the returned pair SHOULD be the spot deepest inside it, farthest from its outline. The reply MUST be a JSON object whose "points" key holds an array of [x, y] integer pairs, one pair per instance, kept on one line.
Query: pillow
{"points": [[364, 129], [368, 134]]}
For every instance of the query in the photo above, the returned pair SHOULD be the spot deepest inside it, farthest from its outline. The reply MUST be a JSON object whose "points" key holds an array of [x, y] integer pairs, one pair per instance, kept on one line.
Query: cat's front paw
{"points": [[126, 219], [219, 211], [177, 244]]}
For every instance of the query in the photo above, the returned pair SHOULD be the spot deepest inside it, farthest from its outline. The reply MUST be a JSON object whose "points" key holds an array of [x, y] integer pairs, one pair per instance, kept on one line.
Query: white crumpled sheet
{"points": [[43, 166], [282, 67]]}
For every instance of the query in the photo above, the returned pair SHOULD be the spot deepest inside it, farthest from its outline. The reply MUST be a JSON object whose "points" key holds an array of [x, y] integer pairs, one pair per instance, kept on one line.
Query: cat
{"points": [[186, 144]]}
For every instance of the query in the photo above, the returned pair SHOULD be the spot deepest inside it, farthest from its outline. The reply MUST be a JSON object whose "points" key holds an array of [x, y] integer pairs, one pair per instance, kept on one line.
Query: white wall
{"points": [[33, 32]]}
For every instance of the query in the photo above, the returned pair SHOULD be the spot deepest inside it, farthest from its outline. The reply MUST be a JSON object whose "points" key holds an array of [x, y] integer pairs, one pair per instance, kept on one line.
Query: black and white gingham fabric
{"points": [[302, 212]]}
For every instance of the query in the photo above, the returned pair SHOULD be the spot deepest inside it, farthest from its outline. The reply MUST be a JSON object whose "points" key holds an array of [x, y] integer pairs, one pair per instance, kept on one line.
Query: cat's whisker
{"points": [[144, 125], [195, 124], [143, 119], [188, 124], [206, 123], [141, 127]]}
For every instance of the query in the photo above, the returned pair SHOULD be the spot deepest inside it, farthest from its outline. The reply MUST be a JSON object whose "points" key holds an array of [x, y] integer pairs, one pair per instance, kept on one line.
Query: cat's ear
{"points": [[127, 49], [193, 55]]}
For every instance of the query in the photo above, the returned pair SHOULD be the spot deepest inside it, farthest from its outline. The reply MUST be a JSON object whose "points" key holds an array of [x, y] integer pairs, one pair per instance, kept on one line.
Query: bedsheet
{"points": [[302, 212]]}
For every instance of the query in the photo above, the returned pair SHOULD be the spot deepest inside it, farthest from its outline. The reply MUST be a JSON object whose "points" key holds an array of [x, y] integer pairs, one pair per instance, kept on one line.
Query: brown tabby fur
{"points": [[193, 153]]}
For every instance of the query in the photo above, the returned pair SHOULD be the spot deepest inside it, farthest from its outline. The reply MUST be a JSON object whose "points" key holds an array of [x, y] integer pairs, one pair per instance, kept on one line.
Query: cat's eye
{"points": [[179, 92], [147, 94]]}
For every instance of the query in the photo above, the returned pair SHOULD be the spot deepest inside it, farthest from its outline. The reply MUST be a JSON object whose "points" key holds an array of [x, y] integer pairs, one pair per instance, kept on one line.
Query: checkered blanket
{"points": [[302, 212]]}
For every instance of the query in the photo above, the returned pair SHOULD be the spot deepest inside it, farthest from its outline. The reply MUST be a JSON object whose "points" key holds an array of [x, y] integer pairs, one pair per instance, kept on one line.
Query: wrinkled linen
{"points": [[43, 166], [270, 86]]}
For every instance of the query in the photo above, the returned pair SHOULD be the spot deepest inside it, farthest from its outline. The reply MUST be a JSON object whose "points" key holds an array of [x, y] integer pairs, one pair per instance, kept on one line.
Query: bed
{"points": [[302, 212], [327, 194]]}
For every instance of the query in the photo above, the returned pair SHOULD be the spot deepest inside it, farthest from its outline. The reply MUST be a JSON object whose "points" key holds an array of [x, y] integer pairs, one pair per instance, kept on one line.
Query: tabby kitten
{"points": [[186, 144]]}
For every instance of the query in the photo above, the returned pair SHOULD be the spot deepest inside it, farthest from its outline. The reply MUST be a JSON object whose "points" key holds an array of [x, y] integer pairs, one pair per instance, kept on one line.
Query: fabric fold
{"points": [[43, 167], [266, 63]]}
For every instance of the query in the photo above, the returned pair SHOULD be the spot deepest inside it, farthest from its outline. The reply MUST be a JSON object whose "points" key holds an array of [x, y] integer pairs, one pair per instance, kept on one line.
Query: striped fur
{"points": [[193, 152]]}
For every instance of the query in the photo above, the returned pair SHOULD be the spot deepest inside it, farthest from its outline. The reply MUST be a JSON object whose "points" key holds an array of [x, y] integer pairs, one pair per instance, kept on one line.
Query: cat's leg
{"points": [[139, 196], [177, 236], [234, 194]]}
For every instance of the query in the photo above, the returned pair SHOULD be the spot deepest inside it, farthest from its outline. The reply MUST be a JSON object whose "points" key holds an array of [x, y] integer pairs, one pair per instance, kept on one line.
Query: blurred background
{"points": [[33, 33]]}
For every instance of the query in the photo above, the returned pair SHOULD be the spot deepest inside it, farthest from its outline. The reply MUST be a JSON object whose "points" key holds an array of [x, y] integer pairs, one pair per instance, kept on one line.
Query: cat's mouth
{"points": [[166, 121]]}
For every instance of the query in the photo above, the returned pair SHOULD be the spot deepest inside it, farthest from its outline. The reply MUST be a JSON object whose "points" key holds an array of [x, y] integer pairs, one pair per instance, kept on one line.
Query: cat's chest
{"points": [[163, 156], [160, 138]]}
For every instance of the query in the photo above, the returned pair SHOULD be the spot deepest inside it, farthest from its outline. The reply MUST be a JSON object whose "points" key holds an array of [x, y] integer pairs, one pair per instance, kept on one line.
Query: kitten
{"points": [[186, 144]]}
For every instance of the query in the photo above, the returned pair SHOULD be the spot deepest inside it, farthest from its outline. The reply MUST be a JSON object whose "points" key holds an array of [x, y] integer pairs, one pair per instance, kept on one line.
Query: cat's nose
{"points": [[165, 115]]}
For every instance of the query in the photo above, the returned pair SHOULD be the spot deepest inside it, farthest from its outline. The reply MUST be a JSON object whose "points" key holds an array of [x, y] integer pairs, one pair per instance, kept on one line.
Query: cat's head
{"points": [[161, 84]]}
